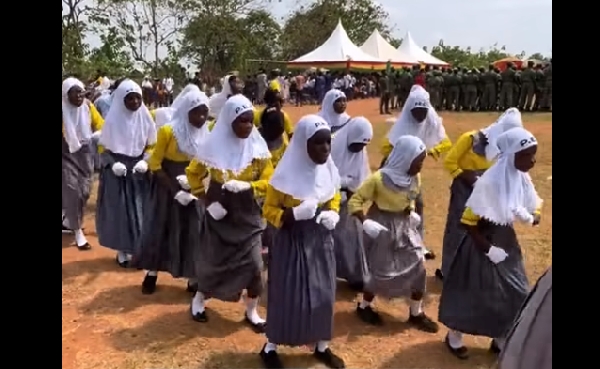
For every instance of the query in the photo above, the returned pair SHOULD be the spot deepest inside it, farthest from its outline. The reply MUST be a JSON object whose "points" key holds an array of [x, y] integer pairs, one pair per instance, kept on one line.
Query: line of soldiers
{"points": [[463, 89]]}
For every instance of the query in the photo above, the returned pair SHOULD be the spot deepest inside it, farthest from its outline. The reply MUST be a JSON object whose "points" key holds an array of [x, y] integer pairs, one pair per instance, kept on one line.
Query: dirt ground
{"points": [[108, 324]]}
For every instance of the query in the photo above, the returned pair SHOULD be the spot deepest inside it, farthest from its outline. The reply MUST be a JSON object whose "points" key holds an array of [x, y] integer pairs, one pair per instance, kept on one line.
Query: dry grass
{"points": [[109, 324]]}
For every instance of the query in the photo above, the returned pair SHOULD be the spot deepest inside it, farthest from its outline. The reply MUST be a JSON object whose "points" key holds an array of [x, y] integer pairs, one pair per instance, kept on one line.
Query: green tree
{"points": [[308, 27], [111, 57], [74, 49]]}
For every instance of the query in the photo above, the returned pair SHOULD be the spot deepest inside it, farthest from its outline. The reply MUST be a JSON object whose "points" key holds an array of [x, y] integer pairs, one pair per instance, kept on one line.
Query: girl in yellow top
{"points": [[333, 109], [486, 283], [418, 118], [470, 156], [238, 162], [127, 137], [170, 226], [81, 121], [164, 115], [273, 100], [349, 153], [393, 246], [303, 201]]}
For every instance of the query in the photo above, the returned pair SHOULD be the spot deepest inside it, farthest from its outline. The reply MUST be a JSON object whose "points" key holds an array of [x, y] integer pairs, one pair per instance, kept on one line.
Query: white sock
{"points": [[455, 339], [152, 273], [270, 347], [322, 346], [198, 303], [426, 250], [122, 257], [364, 304], [416, 307], [252, 311], [80, 238]]}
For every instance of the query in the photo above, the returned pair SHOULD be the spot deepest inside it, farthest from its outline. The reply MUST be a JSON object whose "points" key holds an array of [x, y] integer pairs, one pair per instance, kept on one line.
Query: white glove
{"points": [[96, 135], [236, 186], [306, 210], [216, 210], [523, 215], [372, 228], [119, 169], [414, 219], [496, 254], [345, 181], [329, 219], [184, 198], [140, 167], [183, 182]]}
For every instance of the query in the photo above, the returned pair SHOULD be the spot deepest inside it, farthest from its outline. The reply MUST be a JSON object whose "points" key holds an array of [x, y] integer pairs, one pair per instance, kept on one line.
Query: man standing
{"points": [[384, 99], [168, 83], [528, 77]]}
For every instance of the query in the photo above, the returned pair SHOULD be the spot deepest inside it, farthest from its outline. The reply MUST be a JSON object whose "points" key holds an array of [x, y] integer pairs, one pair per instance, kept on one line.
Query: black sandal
{"points": [[461, 352], [85, 247], [329, 359], [149, 284], [256, 327], [199, 317], [270, 359], [122, 264]]}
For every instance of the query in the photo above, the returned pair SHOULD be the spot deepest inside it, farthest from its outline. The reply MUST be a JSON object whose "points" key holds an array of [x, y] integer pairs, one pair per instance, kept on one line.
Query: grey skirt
{"points": [[170, 230], [479, 297], [228, 258], [529, 343], [77, 174], [351, 263], [120, 204], [395, 257], [301, 286]]}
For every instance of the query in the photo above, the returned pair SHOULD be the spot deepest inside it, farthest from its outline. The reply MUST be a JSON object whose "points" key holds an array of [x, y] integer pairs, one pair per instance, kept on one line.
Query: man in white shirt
{"points": [[168, 83]]}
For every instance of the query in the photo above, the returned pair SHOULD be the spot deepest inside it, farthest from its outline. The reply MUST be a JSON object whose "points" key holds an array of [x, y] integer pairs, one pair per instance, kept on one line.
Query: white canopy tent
{"points": [[338, 49], [378, 47], [410, 47]]}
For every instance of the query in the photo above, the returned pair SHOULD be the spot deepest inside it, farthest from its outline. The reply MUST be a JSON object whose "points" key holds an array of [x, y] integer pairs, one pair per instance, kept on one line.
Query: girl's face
{"points": [[319, 146], [356, 147], [339, 106], [75, 96], [243, 124], [133, 101], [419, 113], [417, 164], [197, 116], [525, 160]]}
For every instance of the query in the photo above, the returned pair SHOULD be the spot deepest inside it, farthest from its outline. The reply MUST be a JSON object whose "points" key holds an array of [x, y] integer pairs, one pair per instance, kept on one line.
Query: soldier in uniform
{"points": [[540, 81], [507, 87], [463, 88], [406, 82], [470, 82], [480, 87], [528, 77], [453, 99], [548, 88], [490, 82], [435, 84]]}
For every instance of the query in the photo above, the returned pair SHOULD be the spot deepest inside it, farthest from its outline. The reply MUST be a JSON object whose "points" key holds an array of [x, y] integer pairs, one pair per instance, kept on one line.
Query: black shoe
{"points": [[494, 348], [461, 352], [423, 323], [199, 317], [430, 255], [439, 275], [368, 315], [271, 359], [356, 286], [329, 359], [122, 264], [85, 247], [256, 327], [191, 287], [149, 284]]}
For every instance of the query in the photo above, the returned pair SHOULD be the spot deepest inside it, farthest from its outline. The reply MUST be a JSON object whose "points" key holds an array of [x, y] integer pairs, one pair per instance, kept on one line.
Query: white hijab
{"points": [[503, 190], [349, 164], [297, 175], [431, 131], [406, 149], [217, 101], [189, 137], [327, 112], [223, 150], [76, 119], [511, 118], [164, 115], [127, 132]]}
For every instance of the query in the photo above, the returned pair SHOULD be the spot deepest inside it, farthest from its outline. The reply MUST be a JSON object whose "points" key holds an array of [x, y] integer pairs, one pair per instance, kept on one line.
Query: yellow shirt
{"points": [[153, 114], [444, 146], [373, 190], [165, 148], [277, 154], [471, 219], [276, 202], [274, 85], [258, 174], [462, 157], [288, 126], [96, 121]]}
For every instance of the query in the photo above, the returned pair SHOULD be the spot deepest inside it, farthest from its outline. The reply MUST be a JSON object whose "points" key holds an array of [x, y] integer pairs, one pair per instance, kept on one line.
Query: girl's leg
{"points": [[418, 317], [365, 311]]}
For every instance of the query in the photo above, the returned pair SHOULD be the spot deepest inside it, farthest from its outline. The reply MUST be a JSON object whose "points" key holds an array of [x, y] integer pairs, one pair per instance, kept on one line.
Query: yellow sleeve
{"points": [[274, 85], [288, 126], [387, 148], [364, 194], [163, 137], [441, 148], [461, 147], [259, 187], [335, 203], [153, 114], [469, 218], [97, 120], [256, 119], [195, 173], [272, 209], [211, 125]]}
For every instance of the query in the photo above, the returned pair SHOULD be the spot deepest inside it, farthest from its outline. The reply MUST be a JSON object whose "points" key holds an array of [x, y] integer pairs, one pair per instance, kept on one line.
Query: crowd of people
{"points": [[222, 189]]}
